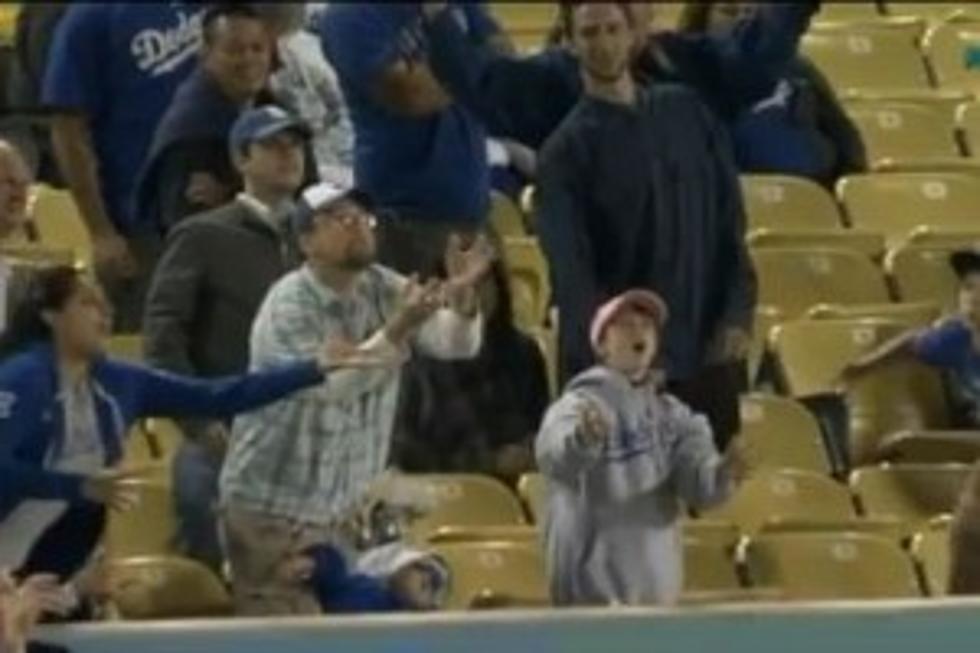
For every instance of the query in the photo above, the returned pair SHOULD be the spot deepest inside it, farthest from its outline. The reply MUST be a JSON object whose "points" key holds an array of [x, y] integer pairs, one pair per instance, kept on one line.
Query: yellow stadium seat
{"points": [[931, 11], [847, 12], [717, 532], [899, 202], [529, 279], [870, 245], [944, 101], [518, 16], [914, 493], [894, 131], [547, 341], [921, 274], [930, 447], [948, 47], [968, 123], [149, 529], [708, 567], [59, 224], [782, 203], [860, 57], [467, 500], [782, 434], [153, 441], [819, 566], [495, 573], [166, 587], [794, 280], [912, 314], [893, 530], [457, 534], [532, 489], [8, 22], [786, 494], [128, 347], [931, 551], [505, 216], [35, 254]]}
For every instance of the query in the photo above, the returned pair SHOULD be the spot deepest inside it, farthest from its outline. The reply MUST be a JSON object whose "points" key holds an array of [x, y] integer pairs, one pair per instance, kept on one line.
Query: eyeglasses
{"points": [[348, 220]]}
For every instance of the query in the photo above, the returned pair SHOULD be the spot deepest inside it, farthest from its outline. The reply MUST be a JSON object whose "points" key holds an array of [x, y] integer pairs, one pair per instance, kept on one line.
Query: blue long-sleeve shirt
{"points": [[33, 424], [525, 99]]}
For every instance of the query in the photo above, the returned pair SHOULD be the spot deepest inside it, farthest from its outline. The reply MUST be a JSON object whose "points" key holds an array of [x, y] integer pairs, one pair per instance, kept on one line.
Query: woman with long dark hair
{"points": [[479, 415], [66, 407]]}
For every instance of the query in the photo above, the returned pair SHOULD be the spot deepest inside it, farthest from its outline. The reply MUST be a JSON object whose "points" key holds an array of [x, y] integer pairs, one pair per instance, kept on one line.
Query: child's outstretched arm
{"points": [[702, 476], [574, 432]]}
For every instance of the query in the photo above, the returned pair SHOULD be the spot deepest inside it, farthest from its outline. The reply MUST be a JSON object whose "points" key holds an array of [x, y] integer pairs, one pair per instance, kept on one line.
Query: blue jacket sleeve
{"points": [[944, 345], [561, 225], [162, 394], [18, 422], [521, 98], [743, 61], [340, 591]]}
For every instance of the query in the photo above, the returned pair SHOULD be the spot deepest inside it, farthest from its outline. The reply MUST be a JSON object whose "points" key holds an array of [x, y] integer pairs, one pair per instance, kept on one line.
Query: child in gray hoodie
{"points": [[622, 459]]}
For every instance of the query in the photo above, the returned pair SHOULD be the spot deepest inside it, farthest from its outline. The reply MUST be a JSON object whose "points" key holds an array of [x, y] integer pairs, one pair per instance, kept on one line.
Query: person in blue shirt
{"points": [[111, 72], [66, 408], [422, 156], [952, 344], [526, 98]]}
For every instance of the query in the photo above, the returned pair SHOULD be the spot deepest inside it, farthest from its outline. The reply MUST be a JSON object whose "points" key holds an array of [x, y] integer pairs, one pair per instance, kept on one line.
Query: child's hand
{"points": [[593, 430], [739, 459]]}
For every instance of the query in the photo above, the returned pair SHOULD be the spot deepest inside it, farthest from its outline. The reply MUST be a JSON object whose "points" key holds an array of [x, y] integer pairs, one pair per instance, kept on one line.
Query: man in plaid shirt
{"points": [[296, 471]]}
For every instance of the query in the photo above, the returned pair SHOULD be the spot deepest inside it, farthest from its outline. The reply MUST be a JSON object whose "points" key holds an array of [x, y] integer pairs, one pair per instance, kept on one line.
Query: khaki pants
{"points": [[258, 546]]}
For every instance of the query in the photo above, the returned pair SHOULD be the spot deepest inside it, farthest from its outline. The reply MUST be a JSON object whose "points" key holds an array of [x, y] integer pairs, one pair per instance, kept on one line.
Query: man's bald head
{"points": [[15, 182]]}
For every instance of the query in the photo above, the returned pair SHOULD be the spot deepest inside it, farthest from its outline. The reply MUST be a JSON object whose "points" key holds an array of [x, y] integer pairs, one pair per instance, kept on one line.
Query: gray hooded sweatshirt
{"points": [[612, 530]]}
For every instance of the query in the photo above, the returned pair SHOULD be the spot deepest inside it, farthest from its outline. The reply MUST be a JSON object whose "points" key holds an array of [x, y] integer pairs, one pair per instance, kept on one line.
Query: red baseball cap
{"points": [[645, 301]]}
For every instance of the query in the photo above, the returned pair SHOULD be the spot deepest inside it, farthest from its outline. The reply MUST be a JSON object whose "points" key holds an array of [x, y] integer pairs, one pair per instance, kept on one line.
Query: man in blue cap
{"points": [[207, 289]]}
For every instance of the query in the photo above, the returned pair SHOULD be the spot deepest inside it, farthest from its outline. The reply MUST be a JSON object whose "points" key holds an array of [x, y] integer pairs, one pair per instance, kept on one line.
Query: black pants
{"points": [[714, 393]]}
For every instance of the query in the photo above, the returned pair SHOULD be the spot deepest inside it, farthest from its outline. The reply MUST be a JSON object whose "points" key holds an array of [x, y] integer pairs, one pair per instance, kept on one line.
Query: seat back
{"points": [[502, 573], [952, 52], [505, 216], [708, 566], [856, 57], [868, 244], [931, 551], [921, 274], [784, 203], [466, 500], [149, 529], [782, 434], [815, 566], [895, 130], [912, 314], [785, 494], [914, 493], [530, 284], [934, 12], [166, 587], [128, 347], [58, 222], [794, 280], [897, 203], [532, 491]]}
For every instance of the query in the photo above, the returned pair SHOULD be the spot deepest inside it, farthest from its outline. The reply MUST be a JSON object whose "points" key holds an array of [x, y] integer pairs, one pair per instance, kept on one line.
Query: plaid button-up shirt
{"points": [[312, 456]]}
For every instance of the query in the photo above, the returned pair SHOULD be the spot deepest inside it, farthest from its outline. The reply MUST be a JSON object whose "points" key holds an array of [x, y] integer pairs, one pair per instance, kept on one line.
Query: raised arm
{"points": [[572, 437]]}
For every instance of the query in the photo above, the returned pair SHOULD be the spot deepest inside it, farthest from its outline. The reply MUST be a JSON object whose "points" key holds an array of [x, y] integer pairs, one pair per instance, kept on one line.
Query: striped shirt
{"points": [[311, 457]]}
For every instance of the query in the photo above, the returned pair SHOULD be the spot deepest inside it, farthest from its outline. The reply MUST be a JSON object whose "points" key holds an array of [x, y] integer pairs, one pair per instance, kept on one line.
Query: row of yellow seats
{"points": [[509, 573]]}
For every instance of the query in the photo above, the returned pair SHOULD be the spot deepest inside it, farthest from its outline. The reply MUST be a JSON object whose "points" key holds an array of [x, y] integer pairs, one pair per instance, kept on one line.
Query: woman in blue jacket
{"points": [[65, 409]]}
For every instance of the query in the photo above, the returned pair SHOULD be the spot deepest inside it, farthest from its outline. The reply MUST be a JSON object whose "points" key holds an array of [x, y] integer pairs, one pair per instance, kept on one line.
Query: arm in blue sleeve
{"points": [[27, 480], [360, 44], [521, 98], [562, 231], [752, 54], [163, 394], [76, 68], [944, 345]]}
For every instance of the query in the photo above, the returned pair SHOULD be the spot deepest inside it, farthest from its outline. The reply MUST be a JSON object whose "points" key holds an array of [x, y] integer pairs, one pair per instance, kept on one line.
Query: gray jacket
{"points": [[207, 289], [612, 530]]}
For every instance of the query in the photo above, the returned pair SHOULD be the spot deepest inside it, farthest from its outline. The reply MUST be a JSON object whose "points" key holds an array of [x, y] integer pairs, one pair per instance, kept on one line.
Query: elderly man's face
{"points": [[15, 181]]}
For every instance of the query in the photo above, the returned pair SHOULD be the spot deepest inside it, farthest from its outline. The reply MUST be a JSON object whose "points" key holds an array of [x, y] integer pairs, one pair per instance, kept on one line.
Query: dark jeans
{"points": [[714, 393], [195, 483]]}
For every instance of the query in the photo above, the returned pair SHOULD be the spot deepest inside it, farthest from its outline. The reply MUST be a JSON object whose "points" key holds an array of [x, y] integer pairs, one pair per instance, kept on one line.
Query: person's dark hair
{"points": [[216, 12], [567, 15], [47, 289]]}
